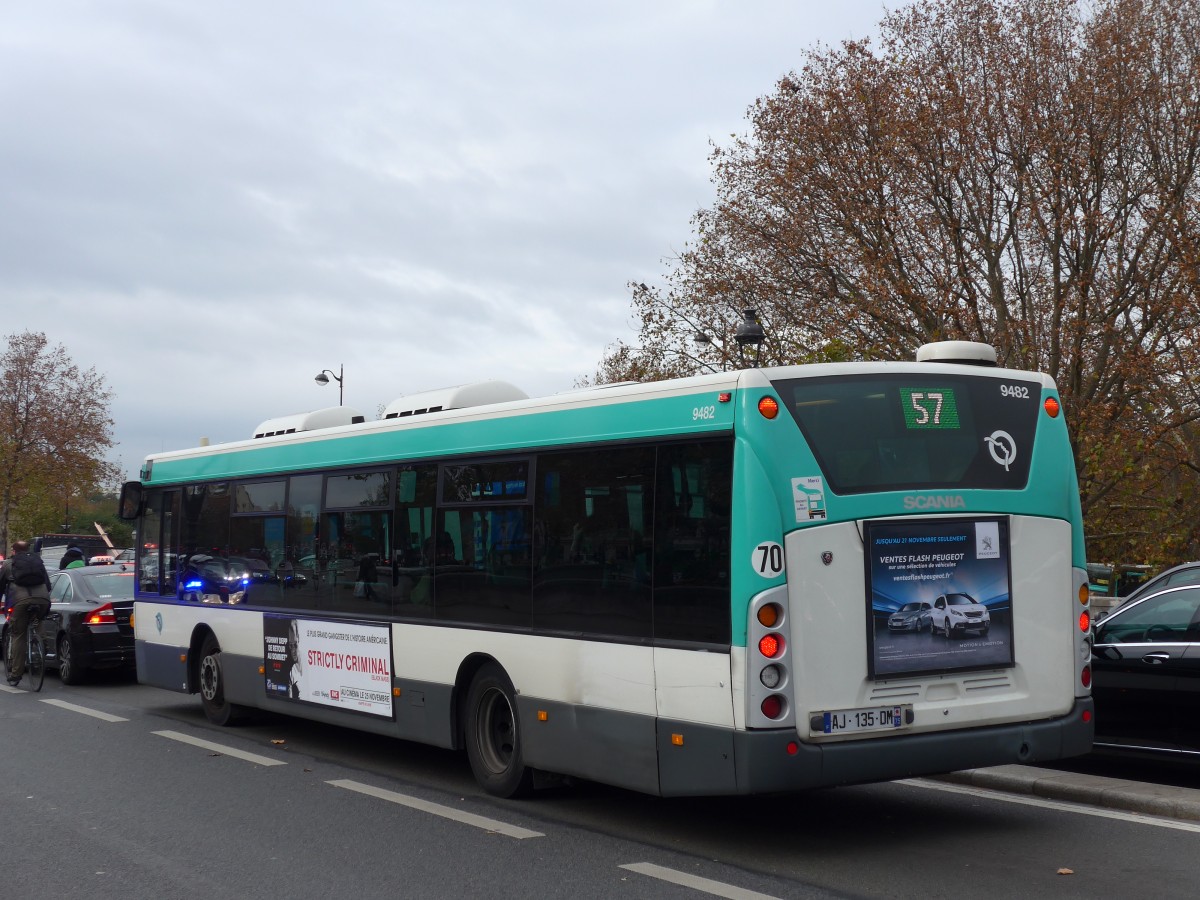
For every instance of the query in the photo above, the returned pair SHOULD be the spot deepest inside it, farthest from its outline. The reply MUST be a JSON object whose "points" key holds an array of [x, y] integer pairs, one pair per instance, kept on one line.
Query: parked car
{"points": [[1145, 670], [1186, 573], [88, 626], [955, 614], [915, 616]]}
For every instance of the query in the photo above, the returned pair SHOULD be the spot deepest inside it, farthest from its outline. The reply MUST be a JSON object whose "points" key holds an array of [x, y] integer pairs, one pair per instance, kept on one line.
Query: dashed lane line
{"points": [[446, 812], [695, 882], [221, 748], [94, 713]]}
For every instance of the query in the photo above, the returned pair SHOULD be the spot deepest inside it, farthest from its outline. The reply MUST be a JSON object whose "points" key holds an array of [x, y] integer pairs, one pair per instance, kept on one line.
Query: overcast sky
{"points": [[210, 202]]}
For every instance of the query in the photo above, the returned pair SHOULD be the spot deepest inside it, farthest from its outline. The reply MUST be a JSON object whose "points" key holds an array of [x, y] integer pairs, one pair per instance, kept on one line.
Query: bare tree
{"points": [[54, 430], [1021, 173]]}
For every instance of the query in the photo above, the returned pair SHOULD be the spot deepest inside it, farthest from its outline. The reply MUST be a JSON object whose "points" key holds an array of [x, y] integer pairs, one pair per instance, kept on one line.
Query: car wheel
{"points": [[949, 632], [493, 735], [68, 672], [212, 686]]}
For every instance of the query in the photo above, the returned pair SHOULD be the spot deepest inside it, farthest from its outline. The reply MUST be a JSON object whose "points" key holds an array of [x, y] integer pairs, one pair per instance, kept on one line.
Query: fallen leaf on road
{"points": [[1066, 871]]}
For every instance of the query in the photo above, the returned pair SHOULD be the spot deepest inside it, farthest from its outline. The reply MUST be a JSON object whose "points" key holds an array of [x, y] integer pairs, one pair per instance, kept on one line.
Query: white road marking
{"points": [[446, 812], [8, 689], [95, 713], [222, 749], [695, 882], [1062, 805]]}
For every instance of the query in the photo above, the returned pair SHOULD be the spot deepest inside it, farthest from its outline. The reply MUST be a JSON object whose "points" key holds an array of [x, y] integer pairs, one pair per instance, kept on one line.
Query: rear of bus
{"points": [[911, 545]]}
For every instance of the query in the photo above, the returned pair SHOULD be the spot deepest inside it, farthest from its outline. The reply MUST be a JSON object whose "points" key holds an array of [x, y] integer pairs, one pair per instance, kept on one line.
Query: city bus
{"points": [[681, 587]]}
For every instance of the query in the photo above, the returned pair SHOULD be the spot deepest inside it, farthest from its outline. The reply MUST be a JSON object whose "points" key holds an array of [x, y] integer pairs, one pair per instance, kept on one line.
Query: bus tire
{"points": [[493, 735], [212, 685]]}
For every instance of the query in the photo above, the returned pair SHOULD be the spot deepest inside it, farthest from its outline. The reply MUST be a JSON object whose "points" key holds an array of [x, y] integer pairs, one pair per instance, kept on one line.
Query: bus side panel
{"points": [[605, 745]]}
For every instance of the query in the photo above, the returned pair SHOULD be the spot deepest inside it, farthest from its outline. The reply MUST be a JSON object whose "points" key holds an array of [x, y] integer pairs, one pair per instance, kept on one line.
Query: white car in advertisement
{"points": [[957, 614]]}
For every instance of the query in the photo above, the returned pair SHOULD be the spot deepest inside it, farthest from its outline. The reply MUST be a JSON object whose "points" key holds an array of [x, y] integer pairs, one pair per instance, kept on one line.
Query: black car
{"points": [[1146, 674], [89, 625]]}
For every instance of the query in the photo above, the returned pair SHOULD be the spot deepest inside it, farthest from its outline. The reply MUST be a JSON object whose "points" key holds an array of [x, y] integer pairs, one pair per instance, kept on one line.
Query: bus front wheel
{"points": [[493, 735], [212, 685]]}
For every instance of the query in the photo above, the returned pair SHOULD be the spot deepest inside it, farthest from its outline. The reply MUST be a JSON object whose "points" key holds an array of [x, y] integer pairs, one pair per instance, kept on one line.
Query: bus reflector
{"points": [[769, 645], [1087, 715], [262, 670], [1085, 677], [793, 748], [1085, 621], [1051, 407], [768, 615], [543, 716], [772, 707], [677, 740], [769, 407]]}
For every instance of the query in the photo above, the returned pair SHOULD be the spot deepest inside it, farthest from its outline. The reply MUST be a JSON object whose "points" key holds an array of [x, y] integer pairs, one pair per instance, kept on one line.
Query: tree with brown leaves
{"points": [[1020, 173], [54, 430]]}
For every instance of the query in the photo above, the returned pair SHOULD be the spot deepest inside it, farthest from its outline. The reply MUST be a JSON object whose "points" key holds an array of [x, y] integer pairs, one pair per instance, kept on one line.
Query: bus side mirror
{"points": [[130, 505]]}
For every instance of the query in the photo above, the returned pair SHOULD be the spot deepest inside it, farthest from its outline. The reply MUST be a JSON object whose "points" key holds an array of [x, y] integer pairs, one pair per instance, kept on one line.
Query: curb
{"points": [[1159, 800]]}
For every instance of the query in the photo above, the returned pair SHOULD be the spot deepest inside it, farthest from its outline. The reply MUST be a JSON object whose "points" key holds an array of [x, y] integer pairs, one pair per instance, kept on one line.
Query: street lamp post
{"points": [[748, 334], [323, 379]]}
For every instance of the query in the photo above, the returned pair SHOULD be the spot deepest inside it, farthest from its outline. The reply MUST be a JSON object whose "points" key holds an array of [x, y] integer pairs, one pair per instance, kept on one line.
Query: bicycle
{"points": [[35, 656]]}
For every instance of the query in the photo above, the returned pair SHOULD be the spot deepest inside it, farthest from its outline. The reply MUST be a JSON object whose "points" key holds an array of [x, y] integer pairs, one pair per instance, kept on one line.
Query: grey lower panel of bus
{"points": [[659, 756]]}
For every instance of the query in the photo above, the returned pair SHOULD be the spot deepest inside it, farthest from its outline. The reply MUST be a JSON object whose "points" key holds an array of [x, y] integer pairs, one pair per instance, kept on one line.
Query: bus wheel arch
{"points": [[491, 730]]}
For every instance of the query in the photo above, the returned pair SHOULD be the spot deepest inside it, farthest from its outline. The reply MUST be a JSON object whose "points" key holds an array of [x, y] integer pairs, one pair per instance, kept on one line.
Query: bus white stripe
{"points": [[221, 748], [446, 812], [695, 882]]}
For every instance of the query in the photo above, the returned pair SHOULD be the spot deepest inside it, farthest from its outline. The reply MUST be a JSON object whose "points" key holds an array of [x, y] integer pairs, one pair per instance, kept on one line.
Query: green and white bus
{"points": [[754, 581]]}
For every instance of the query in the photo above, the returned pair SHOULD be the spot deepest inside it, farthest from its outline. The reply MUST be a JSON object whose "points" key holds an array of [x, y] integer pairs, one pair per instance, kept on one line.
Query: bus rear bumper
{"points": [[764, 764]]}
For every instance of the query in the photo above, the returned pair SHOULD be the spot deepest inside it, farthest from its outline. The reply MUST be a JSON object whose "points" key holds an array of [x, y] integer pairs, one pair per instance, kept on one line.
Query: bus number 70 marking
{"points": [[767, 559], [922, 417]]}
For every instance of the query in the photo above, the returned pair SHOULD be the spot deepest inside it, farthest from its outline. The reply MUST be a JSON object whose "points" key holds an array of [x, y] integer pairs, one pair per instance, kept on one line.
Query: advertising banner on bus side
{"points": [[346, 665], [938, 596]]}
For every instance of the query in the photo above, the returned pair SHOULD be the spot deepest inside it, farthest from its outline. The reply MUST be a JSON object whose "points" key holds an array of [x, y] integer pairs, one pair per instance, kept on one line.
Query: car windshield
{"points": [[114, 586], [959, 600], [910, 607]]}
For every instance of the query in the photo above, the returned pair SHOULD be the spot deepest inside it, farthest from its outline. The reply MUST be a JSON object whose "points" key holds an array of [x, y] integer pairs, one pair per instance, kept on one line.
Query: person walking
{"points": [[23, 575]]}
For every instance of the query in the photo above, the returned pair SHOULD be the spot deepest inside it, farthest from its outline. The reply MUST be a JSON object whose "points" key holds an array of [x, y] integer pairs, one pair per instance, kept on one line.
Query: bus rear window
{"points": [[920, 431]]}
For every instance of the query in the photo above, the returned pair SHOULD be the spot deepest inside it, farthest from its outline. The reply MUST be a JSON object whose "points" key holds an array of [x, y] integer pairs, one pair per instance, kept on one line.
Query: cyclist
{"points": [[24, 576]]}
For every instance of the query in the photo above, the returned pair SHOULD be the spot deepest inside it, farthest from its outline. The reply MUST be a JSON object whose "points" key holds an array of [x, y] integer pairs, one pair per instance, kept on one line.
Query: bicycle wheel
{"points": [[8, 641], [36, 670]]}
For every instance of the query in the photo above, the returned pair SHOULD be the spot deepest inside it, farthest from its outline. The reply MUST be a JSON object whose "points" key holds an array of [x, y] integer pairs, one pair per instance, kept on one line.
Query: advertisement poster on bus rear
{"points": [[345, 665], [939, 596]]}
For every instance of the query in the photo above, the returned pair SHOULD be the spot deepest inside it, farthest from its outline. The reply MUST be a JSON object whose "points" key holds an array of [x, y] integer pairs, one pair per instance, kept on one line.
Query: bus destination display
{"points": [[934, 407]]}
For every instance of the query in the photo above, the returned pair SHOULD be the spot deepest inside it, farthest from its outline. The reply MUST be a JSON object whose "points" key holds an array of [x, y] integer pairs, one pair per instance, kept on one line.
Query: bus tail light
{"points": [[770, 645], [1085, 621], [1052, 407], [102, 615], [768, 680], [769, 407]]}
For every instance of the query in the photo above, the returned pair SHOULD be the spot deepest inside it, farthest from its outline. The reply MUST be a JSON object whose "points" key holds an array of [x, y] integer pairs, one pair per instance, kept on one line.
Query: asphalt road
{"points": [[114, 789]]}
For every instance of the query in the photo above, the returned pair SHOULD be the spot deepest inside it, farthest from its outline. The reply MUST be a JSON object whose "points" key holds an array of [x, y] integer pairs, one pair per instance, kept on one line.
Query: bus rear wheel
{"points": [[212, 685], [493, 735]]}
